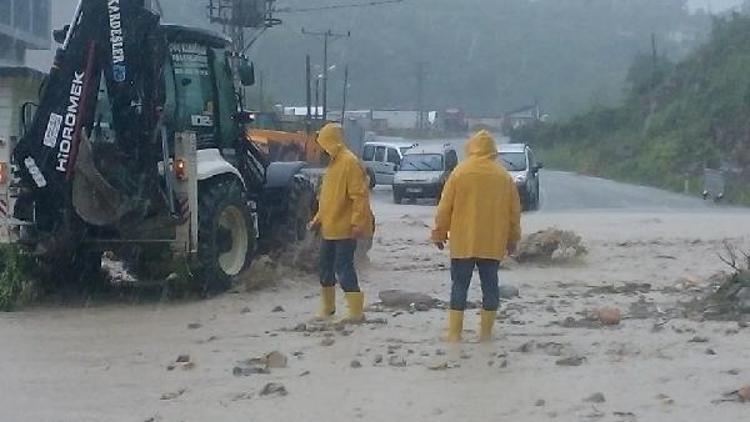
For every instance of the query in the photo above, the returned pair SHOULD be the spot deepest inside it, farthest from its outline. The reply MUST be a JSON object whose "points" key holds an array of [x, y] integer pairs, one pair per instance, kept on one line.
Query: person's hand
{"points": [[313, 226], [512, 249], [358, 232]]}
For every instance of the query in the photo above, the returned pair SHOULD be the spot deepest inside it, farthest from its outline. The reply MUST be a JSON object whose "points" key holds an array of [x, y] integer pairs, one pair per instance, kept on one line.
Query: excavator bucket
{"points": [[95, 200]]}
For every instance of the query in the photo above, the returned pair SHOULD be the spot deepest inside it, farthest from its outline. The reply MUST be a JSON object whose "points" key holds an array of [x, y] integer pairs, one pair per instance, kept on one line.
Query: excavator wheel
{"points": [[226, 234], [301, 203]]}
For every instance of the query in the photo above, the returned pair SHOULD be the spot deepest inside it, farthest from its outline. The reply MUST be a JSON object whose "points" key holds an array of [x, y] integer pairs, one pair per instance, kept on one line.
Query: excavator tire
{"points": [[301, 204], [226, 234], [79, 271]]}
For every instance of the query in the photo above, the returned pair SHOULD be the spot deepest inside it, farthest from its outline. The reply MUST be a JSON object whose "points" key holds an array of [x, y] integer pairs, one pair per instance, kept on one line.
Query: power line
{"points": [[335, 6]]}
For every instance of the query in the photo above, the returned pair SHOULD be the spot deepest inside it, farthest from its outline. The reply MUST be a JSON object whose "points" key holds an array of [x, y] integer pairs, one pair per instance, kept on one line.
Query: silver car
{"points": [[423, 172], [521, 163]]}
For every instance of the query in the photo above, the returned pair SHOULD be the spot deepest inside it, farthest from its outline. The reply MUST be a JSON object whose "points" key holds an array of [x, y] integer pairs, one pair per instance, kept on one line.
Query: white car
{"points": [[383, 158]]}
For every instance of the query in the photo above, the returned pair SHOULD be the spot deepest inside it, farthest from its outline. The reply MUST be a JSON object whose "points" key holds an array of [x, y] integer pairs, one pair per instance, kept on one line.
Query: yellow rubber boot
{"points": [[327, 303], [486, 322], [355, 301], [455, 327]]}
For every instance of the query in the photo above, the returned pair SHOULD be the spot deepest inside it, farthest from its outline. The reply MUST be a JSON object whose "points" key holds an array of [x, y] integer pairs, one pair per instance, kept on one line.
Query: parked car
{"points": [[382, 159], [521, 163], [423, 172]]}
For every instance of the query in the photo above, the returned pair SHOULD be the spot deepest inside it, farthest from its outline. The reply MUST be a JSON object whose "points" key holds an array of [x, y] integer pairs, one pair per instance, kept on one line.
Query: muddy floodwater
{"points": [[212, 360]]}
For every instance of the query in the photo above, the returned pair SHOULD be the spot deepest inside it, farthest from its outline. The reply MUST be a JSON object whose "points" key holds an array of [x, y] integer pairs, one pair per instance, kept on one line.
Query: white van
{"points": [[383, 158]]}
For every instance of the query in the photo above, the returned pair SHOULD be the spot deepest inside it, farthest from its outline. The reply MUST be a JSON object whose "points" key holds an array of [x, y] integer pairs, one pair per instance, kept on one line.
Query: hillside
{"points": [[675, 121]]}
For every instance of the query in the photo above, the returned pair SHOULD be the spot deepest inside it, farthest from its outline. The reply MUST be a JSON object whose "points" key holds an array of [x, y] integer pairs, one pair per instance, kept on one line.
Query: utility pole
{"points": [[421, 75], [346, 88], [262, 93], [308, 96], [327, 36], [654, 60], [317, 98]]}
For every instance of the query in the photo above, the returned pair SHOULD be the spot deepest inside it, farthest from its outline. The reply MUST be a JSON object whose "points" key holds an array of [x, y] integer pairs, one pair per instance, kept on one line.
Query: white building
{"points": [[24, 25]]}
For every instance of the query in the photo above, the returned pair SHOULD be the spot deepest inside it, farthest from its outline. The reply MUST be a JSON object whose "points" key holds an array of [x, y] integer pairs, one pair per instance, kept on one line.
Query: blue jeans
{"points": [[461, 272], [337, 264]]}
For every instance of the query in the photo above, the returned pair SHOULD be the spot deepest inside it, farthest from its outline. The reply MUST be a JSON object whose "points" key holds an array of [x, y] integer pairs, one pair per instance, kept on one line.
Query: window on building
{"points": [[5, 11], [22, 15], [41, 24]]}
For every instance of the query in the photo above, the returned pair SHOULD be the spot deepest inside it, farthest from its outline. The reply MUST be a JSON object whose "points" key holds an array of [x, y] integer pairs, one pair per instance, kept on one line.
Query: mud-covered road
{"points": [[648, 250]]}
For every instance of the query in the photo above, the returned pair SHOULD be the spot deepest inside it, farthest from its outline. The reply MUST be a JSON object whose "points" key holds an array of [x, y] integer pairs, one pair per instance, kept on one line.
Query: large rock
{"points": [[404, 300], [551, 245]]}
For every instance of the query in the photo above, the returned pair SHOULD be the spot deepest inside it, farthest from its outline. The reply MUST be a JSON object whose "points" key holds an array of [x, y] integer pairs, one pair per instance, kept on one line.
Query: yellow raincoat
{"points": [[344, 194], [480, 206]]}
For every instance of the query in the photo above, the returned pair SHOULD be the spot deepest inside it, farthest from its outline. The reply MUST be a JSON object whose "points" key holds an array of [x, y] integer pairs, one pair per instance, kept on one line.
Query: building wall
{"points": [[24, 25]]}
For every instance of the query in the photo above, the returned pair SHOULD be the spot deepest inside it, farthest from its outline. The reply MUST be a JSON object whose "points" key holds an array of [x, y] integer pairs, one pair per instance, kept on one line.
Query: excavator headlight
{"points": [[180, 169]]}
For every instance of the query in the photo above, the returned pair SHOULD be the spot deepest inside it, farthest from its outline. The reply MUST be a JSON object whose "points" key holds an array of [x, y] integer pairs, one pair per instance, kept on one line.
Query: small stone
{"points": [[465, 356], [238, 371], [242, 396], [356, 364], [304, 374], [508, 291], [711, 352], [440, 352], [183, 359], [744, 394], [300, 328], [273, 388], [609, 316], [276, 360], [595, 398], [173, 395], [397, 361], [424, 354], [194, 326], [245, 310], [327, 342], [571, 361], [378, 359], [665, 399], [278, 309], [699, 339], [733, 372], [540, 403], [170, 367], [187, 366], [442, 366], [504, 363]]}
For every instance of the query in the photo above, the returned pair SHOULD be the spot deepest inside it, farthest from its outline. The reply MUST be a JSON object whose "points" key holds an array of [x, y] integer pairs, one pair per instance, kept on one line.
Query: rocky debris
{"points": [[194, 326], [401, 299], [183, 359], [608, 316], [239, 371], [571, 361], [328, 342], [643, 309], [509, 291], [551, 246], [595, 398], [278, 308], [242, 396], [549, 348], [440, 366], [412, 221], [665, 399], [245, 310], [624, 289], [397, 361], [274, 389], [699, 339], [275, 360], [355, 364], [590, 322], [173, 395], [540, 403], [304, 374], [730, 300], [439, 352], [378, 359]]}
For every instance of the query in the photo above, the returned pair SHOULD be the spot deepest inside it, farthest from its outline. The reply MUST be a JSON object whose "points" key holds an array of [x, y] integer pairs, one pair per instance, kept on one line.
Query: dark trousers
{"points": [[461, 272], [337, 264]]}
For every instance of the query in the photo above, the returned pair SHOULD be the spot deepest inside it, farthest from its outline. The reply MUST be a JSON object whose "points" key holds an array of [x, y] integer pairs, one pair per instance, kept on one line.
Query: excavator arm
{"points": [[120, 43]]}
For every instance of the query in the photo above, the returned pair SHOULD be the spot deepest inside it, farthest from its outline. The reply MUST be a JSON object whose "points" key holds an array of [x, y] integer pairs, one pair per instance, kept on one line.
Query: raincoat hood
{"points": [[331, 139], [481, 145]]}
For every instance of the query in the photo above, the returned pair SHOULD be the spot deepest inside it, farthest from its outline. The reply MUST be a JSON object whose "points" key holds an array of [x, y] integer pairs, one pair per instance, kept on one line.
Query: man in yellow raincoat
{"points": [[480, 212], [344, 216]]}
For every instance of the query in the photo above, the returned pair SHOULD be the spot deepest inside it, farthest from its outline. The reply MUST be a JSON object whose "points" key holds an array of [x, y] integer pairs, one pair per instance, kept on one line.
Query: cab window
{"points": [[369, 153], [380, 154], [194, 91], [393, 156]]}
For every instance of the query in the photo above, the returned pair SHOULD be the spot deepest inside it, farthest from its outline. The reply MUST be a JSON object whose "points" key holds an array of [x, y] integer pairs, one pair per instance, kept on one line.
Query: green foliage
{"points": [[672, 124], [16, 277]]}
